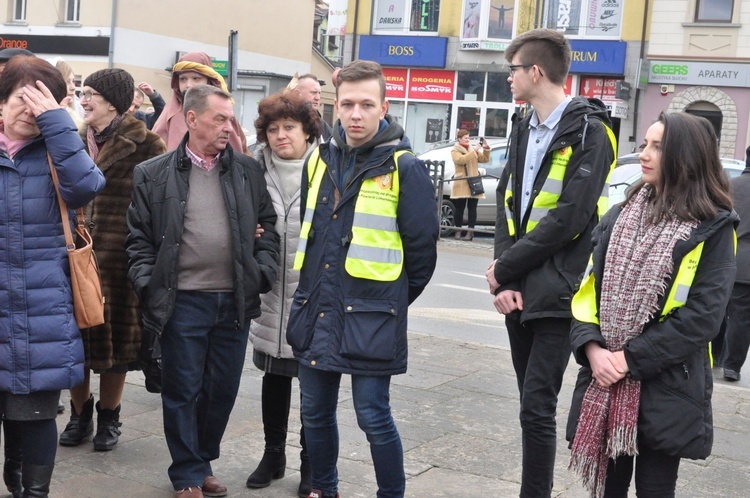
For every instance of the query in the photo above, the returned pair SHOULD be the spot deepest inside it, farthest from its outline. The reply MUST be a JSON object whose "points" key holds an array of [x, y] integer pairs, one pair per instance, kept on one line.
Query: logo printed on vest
{"points": [[384, 181]]}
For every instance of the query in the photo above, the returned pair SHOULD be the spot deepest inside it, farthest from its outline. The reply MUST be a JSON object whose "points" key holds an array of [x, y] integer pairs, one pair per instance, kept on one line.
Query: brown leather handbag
{"points": [[88, 301]]}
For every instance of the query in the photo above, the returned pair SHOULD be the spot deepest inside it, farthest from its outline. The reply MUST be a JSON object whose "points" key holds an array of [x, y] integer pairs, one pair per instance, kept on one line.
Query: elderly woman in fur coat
{"points": [[117, 142]]}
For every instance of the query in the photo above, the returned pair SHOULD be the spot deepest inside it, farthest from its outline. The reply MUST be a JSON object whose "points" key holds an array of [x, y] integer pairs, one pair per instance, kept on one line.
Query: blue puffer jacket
{"points": [[40, 344], [352, 325]]}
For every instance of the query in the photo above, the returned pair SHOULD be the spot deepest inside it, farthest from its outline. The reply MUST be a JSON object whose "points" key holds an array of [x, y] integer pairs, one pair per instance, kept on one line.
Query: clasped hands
{"points": [[506, 301], [607, 367]]}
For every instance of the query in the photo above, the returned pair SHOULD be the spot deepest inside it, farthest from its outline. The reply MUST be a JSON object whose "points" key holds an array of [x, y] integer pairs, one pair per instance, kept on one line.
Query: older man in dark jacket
{"points": [[199, 269], [737, 338]]}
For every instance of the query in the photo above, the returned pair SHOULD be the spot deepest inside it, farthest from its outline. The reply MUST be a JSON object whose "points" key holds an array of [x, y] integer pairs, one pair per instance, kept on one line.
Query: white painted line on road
{"points": [[475, 275], [461, 287]]}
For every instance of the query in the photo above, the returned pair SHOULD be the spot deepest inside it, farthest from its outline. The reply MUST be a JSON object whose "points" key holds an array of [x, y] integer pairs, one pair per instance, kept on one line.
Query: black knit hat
{"points": [[116, 86]]}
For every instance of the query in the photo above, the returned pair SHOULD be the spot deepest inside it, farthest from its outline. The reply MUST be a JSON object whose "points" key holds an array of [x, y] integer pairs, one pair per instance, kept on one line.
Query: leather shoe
{"points": [[212, 487], [189, 493], [731, 375]]}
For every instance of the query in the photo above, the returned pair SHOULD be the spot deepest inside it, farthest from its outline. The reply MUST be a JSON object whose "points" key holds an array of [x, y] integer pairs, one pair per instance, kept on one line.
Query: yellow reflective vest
{"points": [[375, 251], [585, 305], [549, 195]]}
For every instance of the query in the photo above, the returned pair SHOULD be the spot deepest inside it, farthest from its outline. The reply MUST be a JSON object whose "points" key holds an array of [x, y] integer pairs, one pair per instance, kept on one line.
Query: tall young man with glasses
{"points": [[559, 159]]}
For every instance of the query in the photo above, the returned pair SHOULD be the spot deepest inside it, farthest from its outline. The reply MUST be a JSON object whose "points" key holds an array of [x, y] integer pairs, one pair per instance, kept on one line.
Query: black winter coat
{"points": [[670, 357], [155, 222], [741, 198], [545, 264]]}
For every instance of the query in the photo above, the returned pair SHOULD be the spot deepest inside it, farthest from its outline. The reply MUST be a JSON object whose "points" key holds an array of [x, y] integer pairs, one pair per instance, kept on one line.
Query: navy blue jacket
{"points": [[369, 338], [40, 344]]}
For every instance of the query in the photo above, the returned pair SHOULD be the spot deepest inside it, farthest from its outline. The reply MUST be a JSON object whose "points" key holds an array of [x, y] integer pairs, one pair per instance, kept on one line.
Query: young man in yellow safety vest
{"points": [[553, 190], [367, 250]]}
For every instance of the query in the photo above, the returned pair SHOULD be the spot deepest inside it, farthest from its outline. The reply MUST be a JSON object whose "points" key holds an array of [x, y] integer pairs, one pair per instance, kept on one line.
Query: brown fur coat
{"points": [[117, 341]]}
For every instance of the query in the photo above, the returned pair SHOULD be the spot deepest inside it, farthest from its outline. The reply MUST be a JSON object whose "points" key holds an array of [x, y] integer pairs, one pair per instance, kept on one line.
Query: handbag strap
{"points": [[64, 208]]}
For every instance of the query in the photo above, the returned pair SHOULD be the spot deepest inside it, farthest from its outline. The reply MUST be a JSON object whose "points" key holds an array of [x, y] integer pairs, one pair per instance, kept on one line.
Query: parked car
{"points": [[628, 171], [487, 207]]}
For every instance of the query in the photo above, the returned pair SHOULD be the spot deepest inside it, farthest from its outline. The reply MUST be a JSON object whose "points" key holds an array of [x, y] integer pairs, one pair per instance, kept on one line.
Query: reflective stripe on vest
{"points": [[549, 195], [375, 250], [585, 305]]}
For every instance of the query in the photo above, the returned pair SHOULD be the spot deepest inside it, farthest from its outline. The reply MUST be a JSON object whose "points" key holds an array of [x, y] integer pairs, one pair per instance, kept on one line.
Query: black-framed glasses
{"points": [[88, 95], [514, 67]]}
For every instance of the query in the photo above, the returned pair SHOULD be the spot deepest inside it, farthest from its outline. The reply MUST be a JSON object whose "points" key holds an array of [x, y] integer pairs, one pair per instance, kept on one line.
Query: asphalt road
{"points": [[457, 303]]}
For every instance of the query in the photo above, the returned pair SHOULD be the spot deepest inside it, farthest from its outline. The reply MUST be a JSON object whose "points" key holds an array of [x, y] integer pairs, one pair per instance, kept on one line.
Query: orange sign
{"points": [[395, 83], [432, 85]]}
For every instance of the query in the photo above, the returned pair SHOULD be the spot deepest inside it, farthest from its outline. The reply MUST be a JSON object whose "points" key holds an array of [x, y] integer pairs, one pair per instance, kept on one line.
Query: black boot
{"points": [[36, 479], [271, 466], [107, 428], [80, 426], [305, 476], [12, 477]]}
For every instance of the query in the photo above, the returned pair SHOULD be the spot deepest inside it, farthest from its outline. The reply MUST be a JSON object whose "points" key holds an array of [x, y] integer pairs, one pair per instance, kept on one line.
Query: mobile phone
{"points": [[481, 140]]}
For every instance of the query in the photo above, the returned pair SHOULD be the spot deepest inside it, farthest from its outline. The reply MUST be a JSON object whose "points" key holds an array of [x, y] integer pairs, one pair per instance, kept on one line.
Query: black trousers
{"points": [[737, 335], [655, 474], [460, 204]]}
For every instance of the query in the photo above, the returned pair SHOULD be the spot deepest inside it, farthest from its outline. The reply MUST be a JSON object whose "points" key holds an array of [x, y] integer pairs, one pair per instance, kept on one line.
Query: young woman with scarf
{"points": [[662, 273]]}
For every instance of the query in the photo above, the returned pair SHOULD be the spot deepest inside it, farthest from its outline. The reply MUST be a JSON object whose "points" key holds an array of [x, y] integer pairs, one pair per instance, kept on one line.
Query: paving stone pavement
{"points": [[456, 409]]}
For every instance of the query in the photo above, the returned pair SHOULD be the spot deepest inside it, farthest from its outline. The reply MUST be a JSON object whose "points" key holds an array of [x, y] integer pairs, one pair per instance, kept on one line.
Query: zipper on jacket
{"points": [[685, 371], [282, 295]]}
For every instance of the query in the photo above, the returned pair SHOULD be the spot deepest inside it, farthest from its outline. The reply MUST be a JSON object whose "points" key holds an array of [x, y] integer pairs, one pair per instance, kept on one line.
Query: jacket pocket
{"points": [[301, 324], [370, 329]]}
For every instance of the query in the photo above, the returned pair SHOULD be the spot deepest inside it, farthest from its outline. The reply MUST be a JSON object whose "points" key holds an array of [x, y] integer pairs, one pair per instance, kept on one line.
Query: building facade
{"points": [[699, 61], [146, 38], [445, 64]]}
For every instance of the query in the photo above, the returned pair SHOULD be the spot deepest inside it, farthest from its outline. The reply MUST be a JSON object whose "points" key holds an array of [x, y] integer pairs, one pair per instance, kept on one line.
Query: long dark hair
{"points": [[692, 183]]}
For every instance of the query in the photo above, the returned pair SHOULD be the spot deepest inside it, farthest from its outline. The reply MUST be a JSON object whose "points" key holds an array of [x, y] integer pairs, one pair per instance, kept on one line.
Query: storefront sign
{"points": [[699, 73], [604, 18], [492, 46], [337, 13], [599, 88], [395, 83], [71, 45], [389, 15], [432, 85], [413, 51], [597, 57], [617, 109]]}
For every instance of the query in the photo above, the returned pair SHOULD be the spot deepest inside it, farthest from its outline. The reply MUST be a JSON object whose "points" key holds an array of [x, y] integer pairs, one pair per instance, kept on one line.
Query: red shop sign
{"points": [[600, 88], [395, 83], [432, 85]]}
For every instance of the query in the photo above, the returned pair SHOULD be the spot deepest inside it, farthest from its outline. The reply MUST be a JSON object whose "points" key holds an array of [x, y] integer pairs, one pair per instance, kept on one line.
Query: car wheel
{"points": [[447, 218]]}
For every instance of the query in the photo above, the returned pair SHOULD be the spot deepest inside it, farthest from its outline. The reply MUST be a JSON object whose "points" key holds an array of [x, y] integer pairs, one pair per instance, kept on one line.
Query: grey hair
{"points": [[196, 98]]}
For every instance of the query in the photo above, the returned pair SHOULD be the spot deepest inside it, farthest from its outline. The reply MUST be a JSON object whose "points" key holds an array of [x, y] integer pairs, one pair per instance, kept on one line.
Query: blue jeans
{"points": [[320, 391], [540, 350], [203, 352]]}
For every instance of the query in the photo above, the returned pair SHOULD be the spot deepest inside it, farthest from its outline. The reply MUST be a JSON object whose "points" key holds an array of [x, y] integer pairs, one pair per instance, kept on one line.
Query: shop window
{"points": [[498, 88], [328, 115], [470, 86], [19, 11], [468, 119], [406, 16], [714, 10], [496, 123]]}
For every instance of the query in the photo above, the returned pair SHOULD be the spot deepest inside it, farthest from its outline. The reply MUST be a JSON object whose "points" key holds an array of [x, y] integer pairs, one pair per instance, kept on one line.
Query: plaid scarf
{"points": [[637, 265]]}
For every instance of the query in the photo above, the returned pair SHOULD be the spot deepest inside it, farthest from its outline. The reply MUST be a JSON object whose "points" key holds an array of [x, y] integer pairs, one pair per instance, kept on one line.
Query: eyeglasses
{"points": [[514, 67], [88, 95]]}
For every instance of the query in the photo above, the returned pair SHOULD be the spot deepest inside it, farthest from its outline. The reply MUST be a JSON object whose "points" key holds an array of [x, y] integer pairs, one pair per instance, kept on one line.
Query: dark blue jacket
{"points": [[40, 344], [352, 325]]}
